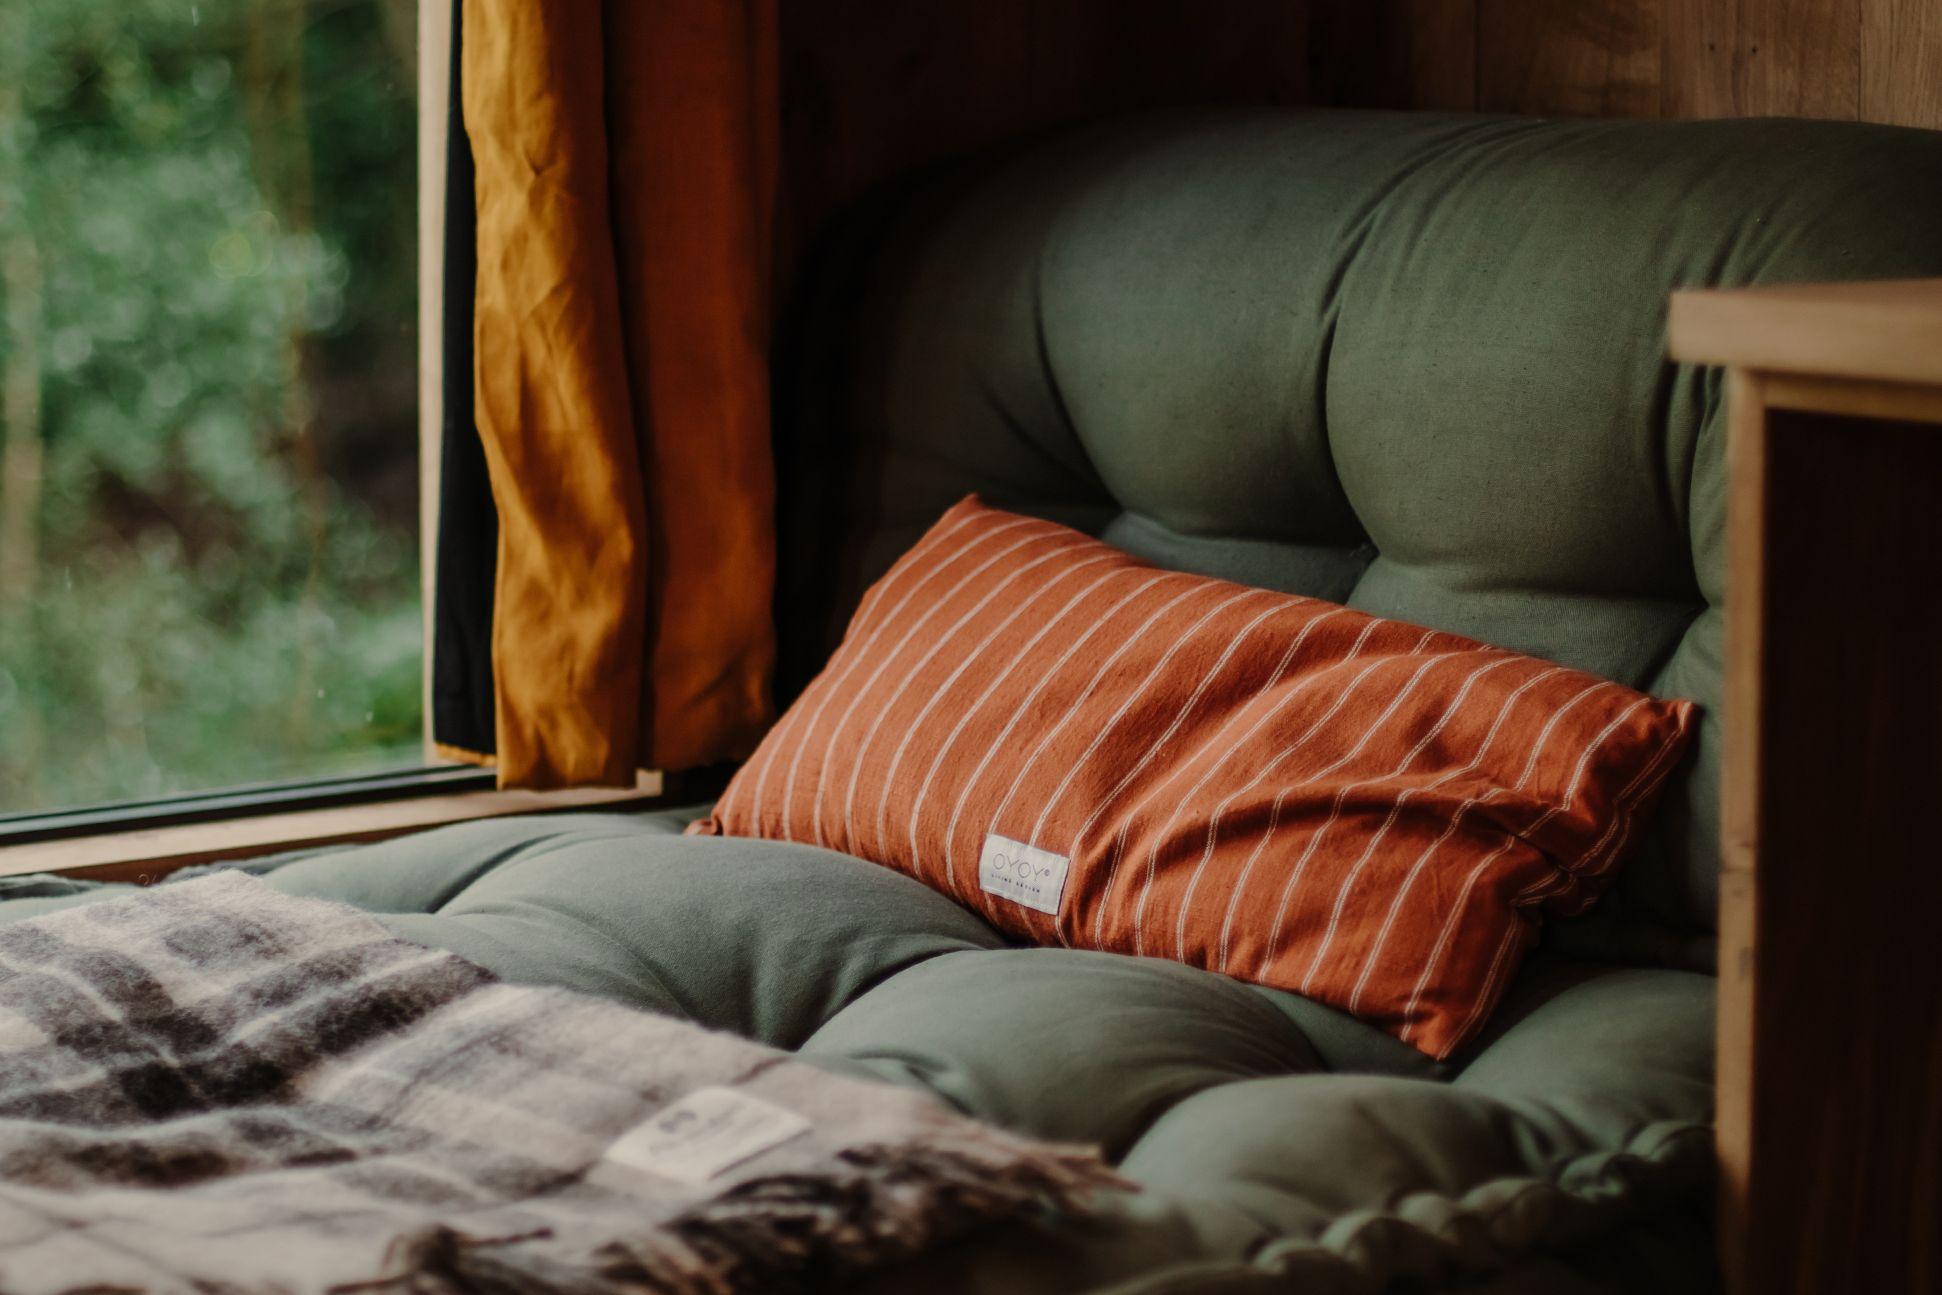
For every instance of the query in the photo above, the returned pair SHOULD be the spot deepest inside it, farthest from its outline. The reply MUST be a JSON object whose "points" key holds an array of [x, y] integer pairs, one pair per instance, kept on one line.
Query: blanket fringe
{"points": [[781, 1233]]}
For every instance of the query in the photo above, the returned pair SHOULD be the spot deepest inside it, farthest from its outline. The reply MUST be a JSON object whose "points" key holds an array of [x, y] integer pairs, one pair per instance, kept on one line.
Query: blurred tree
{"points": [[207, 244]]}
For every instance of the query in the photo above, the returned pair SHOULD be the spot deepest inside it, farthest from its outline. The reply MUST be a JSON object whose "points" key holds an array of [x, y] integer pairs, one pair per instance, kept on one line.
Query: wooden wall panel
{"points": [[1443, 54], [1392, 54], [1901, 62], [1792, 58], [1094, 55], [871, 87], [1696, 64], [1868, 60], [1598, 58]]}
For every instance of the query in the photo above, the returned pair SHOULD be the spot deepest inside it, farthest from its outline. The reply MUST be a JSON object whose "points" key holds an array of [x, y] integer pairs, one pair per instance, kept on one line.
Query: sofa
{"points": [[1409, 362]]}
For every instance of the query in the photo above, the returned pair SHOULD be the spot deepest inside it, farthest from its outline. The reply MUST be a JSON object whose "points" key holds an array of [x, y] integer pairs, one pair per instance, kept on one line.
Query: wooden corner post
{"points": [[1830, 991]]}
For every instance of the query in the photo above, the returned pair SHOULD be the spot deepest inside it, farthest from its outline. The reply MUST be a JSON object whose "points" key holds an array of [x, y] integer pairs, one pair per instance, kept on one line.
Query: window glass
{"points": [[208, 395]]}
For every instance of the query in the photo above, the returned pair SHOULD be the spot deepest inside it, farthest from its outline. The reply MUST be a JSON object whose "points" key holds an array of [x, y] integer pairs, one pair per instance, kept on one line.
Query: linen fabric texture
{"points": [[624, 184], [1278, 788]]}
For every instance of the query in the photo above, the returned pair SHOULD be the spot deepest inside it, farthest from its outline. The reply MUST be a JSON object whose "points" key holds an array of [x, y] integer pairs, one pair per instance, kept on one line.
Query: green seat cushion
{"points": [[1251, 1119], [764, 939], [1131, 1038]]}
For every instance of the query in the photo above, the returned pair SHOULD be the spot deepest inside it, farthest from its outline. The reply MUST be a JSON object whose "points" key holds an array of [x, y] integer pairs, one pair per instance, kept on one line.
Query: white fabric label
{"points": [[1022, 873], [709, 1130]]}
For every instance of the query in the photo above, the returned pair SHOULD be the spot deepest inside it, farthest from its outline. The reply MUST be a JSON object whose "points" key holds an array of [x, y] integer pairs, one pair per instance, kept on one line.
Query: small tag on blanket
{"points": [[1022, 873], [706, 1132]]}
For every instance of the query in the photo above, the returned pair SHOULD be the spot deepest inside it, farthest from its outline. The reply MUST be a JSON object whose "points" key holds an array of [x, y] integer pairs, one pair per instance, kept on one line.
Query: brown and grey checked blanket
{"points": [[212, 1086]]}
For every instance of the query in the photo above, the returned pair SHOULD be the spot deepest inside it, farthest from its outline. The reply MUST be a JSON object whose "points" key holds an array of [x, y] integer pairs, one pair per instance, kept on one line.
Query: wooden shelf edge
{"points": [[1885, 330], [151, 854], [1862, 398]]}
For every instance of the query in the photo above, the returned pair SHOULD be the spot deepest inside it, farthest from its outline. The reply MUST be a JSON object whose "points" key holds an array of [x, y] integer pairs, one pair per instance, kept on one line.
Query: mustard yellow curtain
{"points": [[625, 163]]}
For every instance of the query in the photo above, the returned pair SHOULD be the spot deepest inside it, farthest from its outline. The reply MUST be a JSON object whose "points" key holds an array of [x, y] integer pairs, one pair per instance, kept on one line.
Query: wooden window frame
{"points": [[145, 842], [434, 91], [149, 854]]}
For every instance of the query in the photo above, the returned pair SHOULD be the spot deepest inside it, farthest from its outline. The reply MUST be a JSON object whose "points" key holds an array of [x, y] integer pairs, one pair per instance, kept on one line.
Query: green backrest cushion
{"points": [[1412, 362]]}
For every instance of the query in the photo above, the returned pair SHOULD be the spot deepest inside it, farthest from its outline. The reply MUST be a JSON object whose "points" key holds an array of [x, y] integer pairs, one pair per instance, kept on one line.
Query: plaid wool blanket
{"points": [[212, 1086]]}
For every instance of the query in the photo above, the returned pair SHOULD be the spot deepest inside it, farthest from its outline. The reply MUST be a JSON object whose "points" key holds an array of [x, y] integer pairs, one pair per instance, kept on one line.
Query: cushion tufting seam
{"points": [[876, 978], [508, 857], [521, 910], [1360, 228], [1434, 1237]]}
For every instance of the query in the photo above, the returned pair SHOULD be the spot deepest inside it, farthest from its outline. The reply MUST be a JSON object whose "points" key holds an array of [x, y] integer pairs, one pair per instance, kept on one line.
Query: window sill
{"points": [[148, 854]]}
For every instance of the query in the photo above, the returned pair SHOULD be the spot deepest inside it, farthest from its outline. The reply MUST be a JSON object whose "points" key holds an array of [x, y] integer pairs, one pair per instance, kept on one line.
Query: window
{"points": [[208, 395]]}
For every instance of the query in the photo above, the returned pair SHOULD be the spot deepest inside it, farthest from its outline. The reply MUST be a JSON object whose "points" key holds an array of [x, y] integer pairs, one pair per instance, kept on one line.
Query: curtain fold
{"points": [[624, 159]]}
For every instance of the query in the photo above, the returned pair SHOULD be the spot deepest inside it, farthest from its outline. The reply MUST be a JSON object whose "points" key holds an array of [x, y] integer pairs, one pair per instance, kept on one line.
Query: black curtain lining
{"points": [[468, 523]]}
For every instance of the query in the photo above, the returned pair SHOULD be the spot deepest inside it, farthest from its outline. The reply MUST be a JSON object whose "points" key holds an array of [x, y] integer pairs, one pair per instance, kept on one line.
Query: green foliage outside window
{"points": [[208, 555]]}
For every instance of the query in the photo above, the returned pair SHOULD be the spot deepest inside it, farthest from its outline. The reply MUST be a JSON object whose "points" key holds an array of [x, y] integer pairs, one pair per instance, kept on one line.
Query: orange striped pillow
{"points": [[1095, 752]]}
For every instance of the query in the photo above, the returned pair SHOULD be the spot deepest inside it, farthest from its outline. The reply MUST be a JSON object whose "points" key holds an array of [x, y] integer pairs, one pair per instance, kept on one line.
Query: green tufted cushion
{"points": [[1413, 361], [1265, 1130], [1269, 1134]]}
